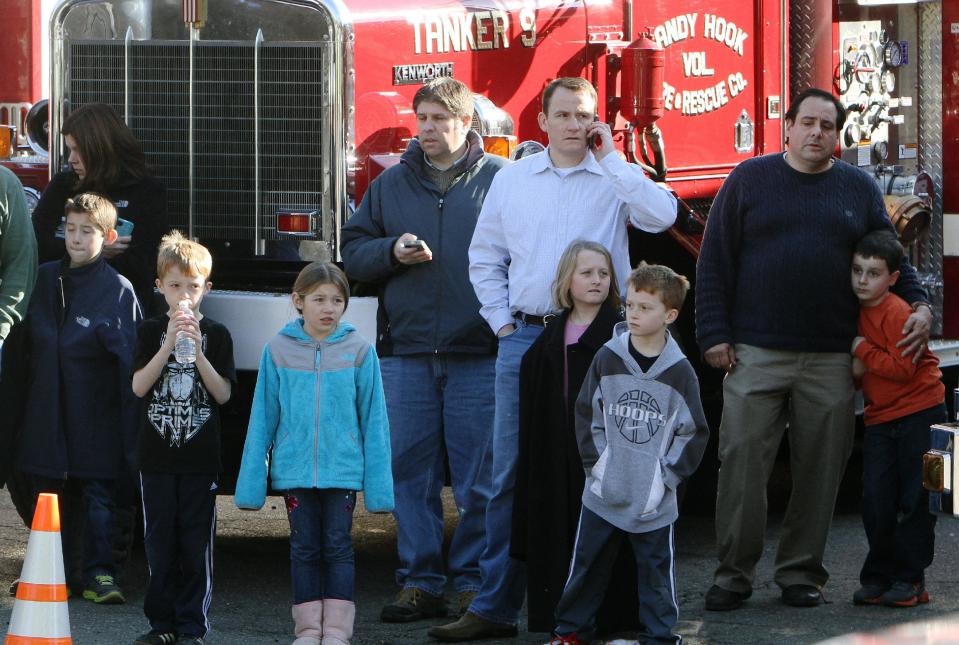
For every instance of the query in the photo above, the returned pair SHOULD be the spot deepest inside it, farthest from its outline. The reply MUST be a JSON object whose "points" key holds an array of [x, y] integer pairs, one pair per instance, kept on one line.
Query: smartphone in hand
{"points": [[124, 227], [419, 245], [594, 141]]}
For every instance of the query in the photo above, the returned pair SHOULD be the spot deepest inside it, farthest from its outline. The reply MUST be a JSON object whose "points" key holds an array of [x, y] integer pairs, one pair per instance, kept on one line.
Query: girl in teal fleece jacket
{"points": [[319, 406]]}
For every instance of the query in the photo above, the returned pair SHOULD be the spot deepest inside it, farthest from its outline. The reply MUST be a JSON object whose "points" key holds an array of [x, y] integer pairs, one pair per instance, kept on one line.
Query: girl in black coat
{"points": [[550, 476]]}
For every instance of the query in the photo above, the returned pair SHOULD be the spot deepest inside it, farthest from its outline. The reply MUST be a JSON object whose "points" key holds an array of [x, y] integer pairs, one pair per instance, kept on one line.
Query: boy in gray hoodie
{"points": [[641, 431]]}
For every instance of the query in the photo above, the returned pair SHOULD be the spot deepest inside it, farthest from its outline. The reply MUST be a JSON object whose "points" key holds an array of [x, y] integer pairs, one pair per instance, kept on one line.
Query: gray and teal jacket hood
{"points": [[320, 407], [640, 434], [428, 307]]}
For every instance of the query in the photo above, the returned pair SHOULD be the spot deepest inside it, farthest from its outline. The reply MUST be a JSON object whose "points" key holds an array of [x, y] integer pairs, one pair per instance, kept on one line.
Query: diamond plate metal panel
{"points": [[802, 44], [930, 148]]}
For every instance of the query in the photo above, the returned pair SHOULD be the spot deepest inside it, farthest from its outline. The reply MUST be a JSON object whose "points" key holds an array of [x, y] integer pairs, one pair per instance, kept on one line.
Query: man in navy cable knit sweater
{"points": [[774, 309]]}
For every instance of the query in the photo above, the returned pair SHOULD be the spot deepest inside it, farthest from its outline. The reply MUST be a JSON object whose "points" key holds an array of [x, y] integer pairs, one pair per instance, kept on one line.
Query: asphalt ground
{"points": [[251, 599]]}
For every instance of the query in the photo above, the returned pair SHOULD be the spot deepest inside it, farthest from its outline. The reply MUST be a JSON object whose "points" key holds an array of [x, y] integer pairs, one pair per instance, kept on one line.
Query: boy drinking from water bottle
{"points": [[179, 454]]}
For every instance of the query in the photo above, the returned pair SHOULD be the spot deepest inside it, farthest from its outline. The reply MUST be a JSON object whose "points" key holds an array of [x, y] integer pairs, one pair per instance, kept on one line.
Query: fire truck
{"points": [[267, 119]]}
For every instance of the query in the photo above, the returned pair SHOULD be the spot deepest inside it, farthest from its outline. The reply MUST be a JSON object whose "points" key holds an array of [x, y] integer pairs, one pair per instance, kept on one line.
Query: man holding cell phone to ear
{"points": [[578, 188], [410, 236]]}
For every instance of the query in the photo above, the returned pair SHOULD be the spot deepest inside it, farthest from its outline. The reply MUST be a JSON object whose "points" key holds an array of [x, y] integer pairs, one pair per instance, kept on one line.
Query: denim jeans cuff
{"points": [[461, 588], [433, 591]]}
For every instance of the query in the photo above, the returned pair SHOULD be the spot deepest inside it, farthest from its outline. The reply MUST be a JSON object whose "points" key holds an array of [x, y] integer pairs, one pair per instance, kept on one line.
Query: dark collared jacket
{"points": [[428, 307], [79, 415]]}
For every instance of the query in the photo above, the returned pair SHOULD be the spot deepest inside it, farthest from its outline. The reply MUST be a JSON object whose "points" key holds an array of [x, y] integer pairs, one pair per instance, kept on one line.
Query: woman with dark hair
{"points": [[106, 158]]}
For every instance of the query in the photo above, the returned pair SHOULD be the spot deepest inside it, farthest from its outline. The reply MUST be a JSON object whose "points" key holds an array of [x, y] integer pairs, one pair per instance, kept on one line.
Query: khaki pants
{"points": [[813, 393]]}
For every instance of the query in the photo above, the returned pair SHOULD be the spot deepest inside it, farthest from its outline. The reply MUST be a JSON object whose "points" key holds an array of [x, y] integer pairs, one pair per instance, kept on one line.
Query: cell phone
{"points": [[419, 245], [595, 140], [124, 227]]}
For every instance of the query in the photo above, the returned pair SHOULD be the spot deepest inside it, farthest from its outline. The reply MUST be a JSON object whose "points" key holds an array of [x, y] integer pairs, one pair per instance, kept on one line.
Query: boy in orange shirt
{"points": [[903, 399]]}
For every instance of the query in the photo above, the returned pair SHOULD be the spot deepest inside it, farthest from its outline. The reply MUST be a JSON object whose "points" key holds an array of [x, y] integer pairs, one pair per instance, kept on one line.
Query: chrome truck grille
{"points": [[246, 125]]}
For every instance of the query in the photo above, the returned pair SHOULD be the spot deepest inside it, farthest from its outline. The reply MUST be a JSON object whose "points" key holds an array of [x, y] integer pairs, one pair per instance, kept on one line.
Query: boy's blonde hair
{"points": [[192, 258], [98, 208], [660, 281], [315, 274], [567, 267]]}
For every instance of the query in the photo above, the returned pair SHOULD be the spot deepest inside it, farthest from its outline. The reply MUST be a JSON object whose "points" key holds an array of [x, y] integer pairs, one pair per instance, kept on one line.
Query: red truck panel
{"points": [[715, 51], [20, 52]]}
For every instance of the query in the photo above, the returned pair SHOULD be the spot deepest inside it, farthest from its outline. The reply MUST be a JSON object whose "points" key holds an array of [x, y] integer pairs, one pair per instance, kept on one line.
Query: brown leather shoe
{"points": [[463, 601], [471, 627], [413, 604]]}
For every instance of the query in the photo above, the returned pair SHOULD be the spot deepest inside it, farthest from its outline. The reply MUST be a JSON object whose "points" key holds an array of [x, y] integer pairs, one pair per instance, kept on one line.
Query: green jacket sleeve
{"points": [[18, 253]]}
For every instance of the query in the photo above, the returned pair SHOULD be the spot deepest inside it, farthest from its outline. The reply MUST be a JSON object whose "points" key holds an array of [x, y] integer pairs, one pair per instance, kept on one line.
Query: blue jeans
{"points": [[99, 506], [504, 578], [96, 499], [435, 401], [321, 549], [895, 507]]}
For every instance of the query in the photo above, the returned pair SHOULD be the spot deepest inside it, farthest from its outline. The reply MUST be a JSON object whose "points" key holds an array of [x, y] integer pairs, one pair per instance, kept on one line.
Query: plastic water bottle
{"points": [[185, 349]]}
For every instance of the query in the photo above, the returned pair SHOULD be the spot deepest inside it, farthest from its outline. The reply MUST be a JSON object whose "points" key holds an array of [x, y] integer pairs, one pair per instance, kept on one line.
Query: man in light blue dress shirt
{"points": [[534, 209]]}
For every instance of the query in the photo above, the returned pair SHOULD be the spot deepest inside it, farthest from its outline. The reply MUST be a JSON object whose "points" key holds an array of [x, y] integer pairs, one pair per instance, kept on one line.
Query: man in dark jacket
{"points": [[410, 235]]}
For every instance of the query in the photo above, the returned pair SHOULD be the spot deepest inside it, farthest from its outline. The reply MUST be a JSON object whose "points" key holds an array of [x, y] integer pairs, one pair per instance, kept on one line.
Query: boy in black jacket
{"points": [[641, 432], [80, 414]]}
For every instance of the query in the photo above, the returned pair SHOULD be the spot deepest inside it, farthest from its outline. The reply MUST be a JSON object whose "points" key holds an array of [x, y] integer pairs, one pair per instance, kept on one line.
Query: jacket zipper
{"points": [[439, 245], [316, 417], [63, 302], [62, 319], [439, 251], [439, 277]]}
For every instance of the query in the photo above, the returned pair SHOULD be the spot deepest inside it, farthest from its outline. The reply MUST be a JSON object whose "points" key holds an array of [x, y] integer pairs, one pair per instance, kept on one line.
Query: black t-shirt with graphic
{"points": [[180, 427]]}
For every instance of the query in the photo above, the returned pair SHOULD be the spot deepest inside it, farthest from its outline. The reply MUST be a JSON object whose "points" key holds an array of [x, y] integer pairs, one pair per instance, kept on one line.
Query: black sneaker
{"points": [[189, 640], [156, 638], [104, 591], [719, 599]]}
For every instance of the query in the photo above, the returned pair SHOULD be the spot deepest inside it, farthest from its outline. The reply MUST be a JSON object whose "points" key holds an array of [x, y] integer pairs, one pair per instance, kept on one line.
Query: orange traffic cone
{"points": [[40, 612]]}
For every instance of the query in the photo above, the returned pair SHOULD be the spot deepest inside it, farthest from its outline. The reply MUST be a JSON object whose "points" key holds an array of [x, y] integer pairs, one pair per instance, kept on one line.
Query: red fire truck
{"points": [[267, 119]]}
